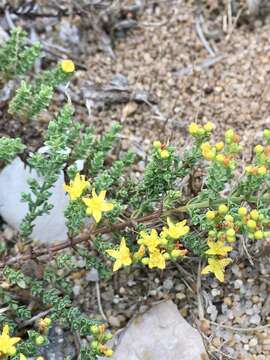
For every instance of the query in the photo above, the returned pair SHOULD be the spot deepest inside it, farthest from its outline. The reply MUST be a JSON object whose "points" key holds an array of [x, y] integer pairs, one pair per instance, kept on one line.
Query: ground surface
{"points": [[164, 56]]}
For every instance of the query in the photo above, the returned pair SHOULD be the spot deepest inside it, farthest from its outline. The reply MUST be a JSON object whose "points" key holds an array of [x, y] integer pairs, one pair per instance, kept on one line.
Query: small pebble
{"points": [[255, 319], [168, 284]]}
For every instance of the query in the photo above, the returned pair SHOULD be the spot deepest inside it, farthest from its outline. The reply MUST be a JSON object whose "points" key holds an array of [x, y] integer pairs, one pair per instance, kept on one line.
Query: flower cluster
{"points": [[95, 204], [154, 249], [44, 325], [223, 231], [254, 223], [223, 153], [200, 131], [161, 149], [100, 337]]}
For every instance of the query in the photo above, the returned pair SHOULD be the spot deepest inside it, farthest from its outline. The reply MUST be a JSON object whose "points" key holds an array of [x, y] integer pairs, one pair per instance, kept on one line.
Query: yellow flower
{"points": [[220, 158], [242, 211], [208, 126], [210, 215], [156, 259], [217, 267], [67, 66], [157, 144], [266, 134], [7, 343], [258, 149], [97, 204], [217, 248], [76, 187], [254, 214], [122, 256], [164, 153], [262, 170], [207, 151], [259, 235], [193, 128], [40, 358], [22, 357], [108, 353], [151, 241], [219, 146], [177, 230], [223, 209], [251, 224]]}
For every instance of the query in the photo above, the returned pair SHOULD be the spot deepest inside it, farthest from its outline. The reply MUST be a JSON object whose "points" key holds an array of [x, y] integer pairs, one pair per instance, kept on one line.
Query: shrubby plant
{"points": [[143, 222]]}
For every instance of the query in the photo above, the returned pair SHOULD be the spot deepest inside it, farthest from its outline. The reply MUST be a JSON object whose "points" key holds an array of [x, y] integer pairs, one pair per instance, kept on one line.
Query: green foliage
{"points": [[147, 219], [48, 166], [31, 97], [9, 148], [16, 57]]}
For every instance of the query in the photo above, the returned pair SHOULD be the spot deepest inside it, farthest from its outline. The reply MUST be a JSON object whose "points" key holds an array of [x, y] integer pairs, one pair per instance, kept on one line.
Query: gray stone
{"points": [[160, 334], [13, 181], [92, 275]]}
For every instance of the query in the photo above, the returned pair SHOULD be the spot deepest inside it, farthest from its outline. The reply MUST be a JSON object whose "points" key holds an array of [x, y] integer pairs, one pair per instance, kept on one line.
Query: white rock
{"points": [[13, 181], [160, 334]]}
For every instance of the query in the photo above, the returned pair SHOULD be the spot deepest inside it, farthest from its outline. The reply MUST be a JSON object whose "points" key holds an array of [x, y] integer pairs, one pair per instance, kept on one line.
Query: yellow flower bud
{"points": [[193, 128], [40, 358], [67, 66], [157, 144], [258, 149], [254, 214], [230, 233], [220, 158], [242, 211], [219, 146], [210, 215], [229, 134], [108, 353], [164, 154], [94, 329], [223, 209], [266, 134], [208, 126], [47, 321], [230, 239], [248, 169], [228, 218], [209, 154], [108, 336], [258, 235], [39, 340], [261, 170], [251, 224]]}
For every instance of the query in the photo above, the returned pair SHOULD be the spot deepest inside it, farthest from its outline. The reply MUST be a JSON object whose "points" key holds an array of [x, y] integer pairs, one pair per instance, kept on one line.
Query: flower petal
{"points": [[117, 265], [97, 215], [113, 253]]}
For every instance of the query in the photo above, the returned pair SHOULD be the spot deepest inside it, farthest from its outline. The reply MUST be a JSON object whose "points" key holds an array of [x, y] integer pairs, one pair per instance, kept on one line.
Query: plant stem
{"points": [[131, 223]]}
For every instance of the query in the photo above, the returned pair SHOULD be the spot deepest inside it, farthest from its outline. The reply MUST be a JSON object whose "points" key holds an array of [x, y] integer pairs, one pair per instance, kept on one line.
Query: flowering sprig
{"points": [[154, 248]]}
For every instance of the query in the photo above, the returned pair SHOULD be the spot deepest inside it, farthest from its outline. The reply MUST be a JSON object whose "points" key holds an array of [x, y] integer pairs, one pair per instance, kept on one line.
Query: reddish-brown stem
{"points": [[38, 251]]}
